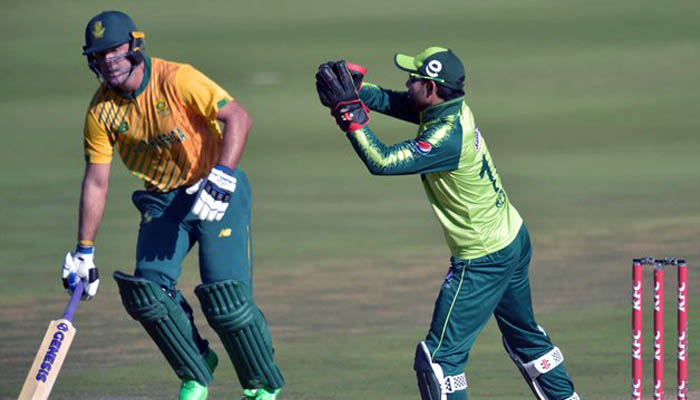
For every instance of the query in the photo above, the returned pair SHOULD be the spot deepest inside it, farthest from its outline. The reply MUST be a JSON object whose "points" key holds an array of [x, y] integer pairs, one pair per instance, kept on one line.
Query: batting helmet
{"points": [[109, 29]]}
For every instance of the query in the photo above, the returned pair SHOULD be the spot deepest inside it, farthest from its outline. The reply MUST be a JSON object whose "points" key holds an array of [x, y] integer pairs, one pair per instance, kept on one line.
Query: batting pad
{"points": [[530, 371], [242, 329], [166, 323], [432, 383]]}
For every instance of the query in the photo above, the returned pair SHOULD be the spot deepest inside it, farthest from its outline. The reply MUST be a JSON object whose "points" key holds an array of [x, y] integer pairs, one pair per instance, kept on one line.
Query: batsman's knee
{"points": [[432, 382], [236, 319]]}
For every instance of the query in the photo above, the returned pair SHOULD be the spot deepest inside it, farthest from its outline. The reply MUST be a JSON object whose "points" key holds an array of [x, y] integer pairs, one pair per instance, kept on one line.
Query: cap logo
{"points": [[98, 31], [433, 68]]}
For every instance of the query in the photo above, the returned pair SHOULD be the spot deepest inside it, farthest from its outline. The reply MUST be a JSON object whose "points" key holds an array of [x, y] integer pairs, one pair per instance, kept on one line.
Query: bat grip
{"points": [[74, 300]]}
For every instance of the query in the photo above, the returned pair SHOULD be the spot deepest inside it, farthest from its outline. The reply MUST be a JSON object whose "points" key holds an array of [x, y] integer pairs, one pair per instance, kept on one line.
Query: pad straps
{"points": [[544, 363], [454, 383]]}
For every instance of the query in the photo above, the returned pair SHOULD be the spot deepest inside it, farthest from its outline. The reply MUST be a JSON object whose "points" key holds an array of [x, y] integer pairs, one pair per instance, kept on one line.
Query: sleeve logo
{"points": [[422, 147], [477, 138]]}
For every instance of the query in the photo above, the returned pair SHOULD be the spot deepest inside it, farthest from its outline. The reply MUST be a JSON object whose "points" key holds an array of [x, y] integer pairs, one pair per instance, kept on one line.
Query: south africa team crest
{"points": [[98, 30], [162, 108]]}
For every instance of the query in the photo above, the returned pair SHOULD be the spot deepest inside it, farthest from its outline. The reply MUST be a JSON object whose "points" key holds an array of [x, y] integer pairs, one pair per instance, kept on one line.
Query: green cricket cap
{"points": [[435, 63], [109, 29]]}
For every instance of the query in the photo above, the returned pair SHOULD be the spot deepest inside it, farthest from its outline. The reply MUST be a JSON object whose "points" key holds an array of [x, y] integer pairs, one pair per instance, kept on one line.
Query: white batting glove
{"points": [[213, 194], [80, 266]]}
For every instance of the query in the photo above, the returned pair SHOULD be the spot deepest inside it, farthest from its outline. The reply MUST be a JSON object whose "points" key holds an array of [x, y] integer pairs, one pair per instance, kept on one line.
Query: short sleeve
{"points": [[199, 92], [97, 145]]}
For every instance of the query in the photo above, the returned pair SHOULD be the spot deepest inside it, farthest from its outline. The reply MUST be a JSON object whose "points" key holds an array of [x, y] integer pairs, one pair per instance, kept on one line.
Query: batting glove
{"points": [[213, 194], [78, 266]]}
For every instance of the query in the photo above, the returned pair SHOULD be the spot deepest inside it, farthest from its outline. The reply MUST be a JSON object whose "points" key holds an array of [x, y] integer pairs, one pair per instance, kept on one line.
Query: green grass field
{"points": [[588, 109]]}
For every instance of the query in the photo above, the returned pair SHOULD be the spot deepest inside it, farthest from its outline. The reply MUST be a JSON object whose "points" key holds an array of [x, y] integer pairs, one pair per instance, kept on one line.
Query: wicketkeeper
{"points": [[163, 119], [490, 245]]}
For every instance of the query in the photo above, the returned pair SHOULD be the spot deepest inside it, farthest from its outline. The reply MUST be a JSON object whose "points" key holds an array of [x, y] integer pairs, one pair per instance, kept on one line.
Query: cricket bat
{"points": [[52, 352]]}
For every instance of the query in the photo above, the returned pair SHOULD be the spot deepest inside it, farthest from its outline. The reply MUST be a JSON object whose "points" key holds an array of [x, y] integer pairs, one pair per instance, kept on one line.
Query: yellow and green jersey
{"points": [[166, 132], [455, 166]]}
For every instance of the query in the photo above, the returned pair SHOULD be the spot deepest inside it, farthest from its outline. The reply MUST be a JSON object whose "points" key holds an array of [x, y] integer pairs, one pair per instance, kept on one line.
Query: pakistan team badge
{"points": [[98, 31]]}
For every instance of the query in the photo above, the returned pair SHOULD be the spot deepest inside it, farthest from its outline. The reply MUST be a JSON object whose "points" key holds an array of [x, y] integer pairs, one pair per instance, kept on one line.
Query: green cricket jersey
{"points": [[456, 169]]}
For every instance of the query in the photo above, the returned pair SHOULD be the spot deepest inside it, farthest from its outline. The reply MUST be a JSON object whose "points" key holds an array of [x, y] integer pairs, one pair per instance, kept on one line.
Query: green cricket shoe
{"points": [[260, 394], [193, 390]]}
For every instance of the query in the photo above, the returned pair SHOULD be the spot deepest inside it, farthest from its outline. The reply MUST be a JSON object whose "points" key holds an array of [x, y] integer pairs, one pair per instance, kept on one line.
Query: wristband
{"points": [[224, 168], [81, 248]]}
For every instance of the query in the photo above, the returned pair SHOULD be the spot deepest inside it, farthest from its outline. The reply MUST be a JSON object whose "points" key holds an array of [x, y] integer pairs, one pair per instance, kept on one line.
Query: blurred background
{"points": [[589, 109]]}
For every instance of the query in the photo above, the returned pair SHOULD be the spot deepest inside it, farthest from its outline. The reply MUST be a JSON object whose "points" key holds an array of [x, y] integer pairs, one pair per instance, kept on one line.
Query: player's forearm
{"points": [[236, 127], [379, 158], [389, 102], [438, 149], [93, 198]]}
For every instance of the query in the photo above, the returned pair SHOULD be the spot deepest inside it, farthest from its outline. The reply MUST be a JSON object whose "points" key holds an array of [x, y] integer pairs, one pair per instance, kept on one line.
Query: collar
{"points": [[443, 109], [144, 81]]}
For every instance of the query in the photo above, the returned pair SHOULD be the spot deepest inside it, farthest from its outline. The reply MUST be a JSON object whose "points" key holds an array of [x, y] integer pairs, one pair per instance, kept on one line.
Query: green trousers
{"points": [[496, 284], [168, 231]]}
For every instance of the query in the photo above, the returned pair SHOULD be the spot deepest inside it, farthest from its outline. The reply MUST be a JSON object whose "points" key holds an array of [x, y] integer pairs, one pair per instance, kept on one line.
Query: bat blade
{"points": [[52, 352], [48, 361]]}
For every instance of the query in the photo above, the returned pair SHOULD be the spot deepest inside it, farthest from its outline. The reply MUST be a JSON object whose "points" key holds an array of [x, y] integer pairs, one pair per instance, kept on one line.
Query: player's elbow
{"points": [[377, 170]]}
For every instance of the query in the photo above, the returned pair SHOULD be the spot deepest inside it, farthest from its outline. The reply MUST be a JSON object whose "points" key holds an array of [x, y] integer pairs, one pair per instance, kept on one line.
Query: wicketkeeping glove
{"points": [[357, 72], [78, 266], [336, 88], [213, 194]]}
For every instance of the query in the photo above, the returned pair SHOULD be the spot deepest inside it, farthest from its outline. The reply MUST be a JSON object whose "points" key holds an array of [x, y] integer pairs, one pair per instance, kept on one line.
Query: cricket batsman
{"points": [[488, 241], [183, 135]]}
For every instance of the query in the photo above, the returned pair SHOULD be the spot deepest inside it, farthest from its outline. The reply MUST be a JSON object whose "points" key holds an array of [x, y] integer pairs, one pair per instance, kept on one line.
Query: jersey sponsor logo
{"points": [[433, 68], [422, 147], [163, 140], [477, 138], [98, 30]]}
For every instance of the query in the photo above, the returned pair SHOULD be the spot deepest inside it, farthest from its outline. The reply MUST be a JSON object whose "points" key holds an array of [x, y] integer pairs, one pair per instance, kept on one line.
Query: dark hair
{"points": [[446, 93]]}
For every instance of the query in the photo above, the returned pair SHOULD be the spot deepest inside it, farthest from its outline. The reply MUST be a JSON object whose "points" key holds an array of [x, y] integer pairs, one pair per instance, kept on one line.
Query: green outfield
{"points": [[589, 109]]}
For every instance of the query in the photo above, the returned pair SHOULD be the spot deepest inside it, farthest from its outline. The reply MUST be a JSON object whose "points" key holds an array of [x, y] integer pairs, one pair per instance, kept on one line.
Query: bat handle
{"points": [[74, 300]]}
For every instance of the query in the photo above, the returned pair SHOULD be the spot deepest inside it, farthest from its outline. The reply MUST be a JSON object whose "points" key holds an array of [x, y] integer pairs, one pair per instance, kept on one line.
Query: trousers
{"points": [[496, 284]]}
